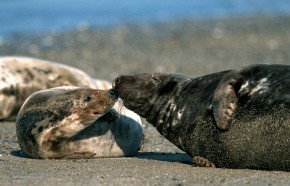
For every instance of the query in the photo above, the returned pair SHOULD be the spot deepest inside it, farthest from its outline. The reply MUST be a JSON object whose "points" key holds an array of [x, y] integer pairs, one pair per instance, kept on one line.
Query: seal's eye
{"points": [[87, 99]]}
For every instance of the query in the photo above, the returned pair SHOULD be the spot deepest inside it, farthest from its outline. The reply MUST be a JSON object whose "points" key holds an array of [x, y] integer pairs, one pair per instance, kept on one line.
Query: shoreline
{"points": [[8, 33], [192, 47]]}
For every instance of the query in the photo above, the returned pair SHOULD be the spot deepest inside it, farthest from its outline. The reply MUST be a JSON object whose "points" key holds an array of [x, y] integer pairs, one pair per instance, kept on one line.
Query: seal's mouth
{"points": [[114, 93]]}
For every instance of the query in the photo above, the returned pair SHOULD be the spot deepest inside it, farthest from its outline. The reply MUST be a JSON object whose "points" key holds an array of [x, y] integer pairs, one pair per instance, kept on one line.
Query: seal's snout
{"points": [[116, 82]]}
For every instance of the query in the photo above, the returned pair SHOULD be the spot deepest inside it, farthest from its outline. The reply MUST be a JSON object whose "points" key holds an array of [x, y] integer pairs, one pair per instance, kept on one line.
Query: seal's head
{"points": [[87, 102], [139, 92]]}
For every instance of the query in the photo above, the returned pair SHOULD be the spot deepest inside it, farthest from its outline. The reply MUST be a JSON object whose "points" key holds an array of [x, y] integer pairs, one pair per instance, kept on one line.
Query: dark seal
{"points": [[72, 122], [231, 119]]}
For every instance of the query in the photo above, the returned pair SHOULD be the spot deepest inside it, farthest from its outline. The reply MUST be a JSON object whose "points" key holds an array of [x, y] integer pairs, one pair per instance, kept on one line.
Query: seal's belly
{"points": [[253, 141], [258, 142]]}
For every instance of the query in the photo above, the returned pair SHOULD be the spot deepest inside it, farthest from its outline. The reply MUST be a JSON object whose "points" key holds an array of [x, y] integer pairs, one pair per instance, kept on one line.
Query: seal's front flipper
{"points": [[201, 162], [225, 100], [224, 106], [79, 155]]}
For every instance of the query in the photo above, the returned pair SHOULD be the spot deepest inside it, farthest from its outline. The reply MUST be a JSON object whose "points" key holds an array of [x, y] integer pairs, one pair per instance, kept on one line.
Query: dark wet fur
{"points": [[259, 135]]}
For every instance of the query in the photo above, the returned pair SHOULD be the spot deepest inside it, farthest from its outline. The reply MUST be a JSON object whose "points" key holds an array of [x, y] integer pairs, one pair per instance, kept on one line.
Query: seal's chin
{"points": [[111, 115]]}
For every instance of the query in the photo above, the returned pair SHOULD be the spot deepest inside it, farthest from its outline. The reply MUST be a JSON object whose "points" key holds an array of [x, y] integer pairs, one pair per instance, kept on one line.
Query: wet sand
{"points": [[192, 47]]}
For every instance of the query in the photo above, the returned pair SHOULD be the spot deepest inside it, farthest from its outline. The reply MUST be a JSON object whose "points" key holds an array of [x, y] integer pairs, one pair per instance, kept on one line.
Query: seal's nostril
{"points": [[113, 93]]}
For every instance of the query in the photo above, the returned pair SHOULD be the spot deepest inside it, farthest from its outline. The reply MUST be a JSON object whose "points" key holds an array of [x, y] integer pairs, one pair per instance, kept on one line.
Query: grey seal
{"points": [[230, 119], [21, 76], [73, 122]]}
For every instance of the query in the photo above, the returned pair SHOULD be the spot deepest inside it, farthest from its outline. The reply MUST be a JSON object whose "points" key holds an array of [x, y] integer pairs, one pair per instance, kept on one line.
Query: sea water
{"points": [[28, 16]]}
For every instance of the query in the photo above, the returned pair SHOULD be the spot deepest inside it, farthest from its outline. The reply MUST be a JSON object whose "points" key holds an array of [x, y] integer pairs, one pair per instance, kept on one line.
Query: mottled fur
{"points": [[21, 76], [71, 122], [234, 119]]}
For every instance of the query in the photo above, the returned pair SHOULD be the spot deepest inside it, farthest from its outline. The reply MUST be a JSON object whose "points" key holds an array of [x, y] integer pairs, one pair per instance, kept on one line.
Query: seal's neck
{"points": [[111, 115], [164, 114]]}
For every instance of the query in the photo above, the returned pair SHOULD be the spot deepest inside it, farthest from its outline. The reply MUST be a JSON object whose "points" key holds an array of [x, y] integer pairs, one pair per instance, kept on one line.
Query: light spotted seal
{"points": [[232, 119], [72, 122], [21, 76]]}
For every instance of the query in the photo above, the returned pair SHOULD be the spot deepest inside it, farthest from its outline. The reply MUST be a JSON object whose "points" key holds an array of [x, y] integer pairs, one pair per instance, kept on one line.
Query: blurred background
{"points": [[107, 38]]}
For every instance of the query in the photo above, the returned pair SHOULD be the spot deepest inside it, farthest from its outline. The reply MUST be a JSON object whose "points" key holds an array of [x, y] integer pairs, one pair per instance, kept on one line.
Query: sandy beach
{"points": [[192, 47]]}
